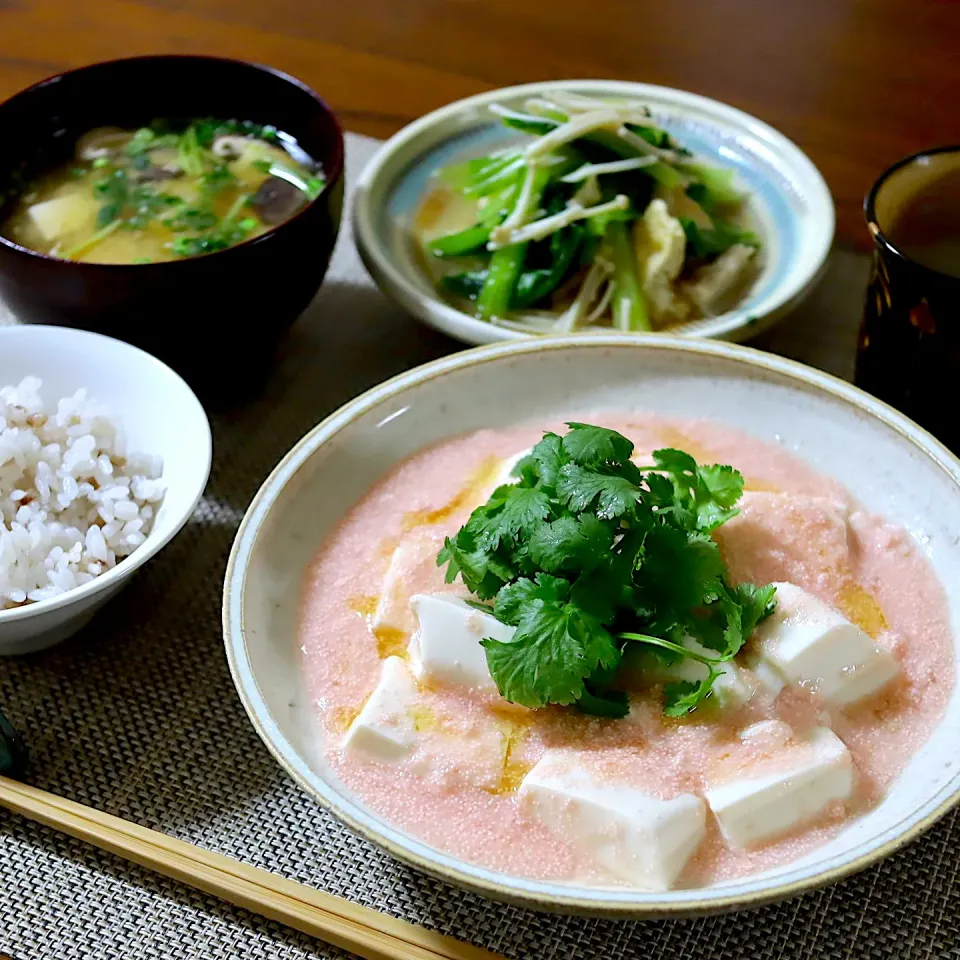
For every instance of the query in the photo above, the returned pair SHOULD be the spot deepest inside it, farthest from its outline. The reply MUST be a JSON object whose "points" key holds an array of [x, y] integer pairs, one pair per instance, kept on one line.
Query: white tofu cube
{"points": [[446, 647], [810, 643], [385, 728], [63, 215], [796, 785], [767, 677], [393, 609], [636, 837], [769, 734]]}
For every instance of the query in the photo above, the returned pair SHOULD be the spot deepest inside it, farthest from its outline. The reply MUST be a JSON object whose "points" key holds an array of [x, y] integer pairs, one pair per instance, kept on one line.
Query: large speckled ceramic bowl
{"points": [[789, 199], [891, 465]]}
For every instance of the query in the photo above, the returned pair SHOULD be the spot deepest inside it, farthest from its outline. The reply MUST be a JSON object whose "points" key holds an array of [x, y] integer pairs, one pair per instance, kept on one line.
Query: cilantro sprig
{"points": [[587, 554]]}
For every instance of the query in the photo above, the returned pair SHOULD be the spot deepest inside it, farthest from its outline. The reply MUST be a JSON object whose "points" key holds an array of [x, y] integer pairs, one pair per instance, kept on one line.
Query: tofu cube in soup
{"points": [[793, 786], [446, 647], [638, 838], [786, 537], [385, 728], [63, 216], [810, 643]]}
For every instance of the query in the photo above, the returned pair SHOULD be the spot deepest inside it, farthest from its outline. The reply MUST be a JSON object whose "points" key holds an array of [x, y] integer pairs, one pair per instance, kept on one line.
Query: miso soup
{"points": [[164, 192]]}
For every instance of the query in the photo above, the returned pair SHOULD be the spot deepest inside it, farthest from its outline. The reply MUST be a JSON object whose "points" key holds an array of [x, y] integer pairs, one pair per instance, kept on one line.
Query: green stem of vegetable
{"points": [[526, 122], [673, 648], [87, 245], [502, 272], [458, 176], [558, 116], [629, 308], [496, 180], [506, 264], [459, 244], [718, 184], [237, 206]]}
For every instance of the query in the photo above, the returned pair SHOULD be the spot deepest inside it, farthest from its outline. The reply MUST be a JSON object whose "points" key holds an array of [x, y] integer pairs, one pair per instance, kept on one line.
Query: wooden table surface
{"points": [[857, 83]]}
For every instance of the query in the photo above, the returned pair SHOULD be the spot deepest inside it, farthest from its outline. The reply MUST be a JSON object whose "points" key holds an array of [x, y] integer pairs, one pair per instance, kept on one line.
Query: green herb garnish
{"points": [[114, 191], [226, 233], [588, 554], [132, 202]]}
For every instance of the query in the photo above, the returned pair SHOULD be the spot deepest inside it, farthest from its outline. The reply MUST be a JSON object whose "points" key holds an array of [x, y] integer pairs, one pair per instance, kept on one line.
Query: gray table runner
{"points": [[137, 716]]}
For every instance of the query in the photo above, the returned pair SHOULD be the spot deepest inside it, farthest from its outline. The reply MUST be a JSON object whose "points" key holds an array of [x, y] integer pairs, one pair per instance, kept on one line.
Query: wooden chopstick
{"points": [[360, 930]]}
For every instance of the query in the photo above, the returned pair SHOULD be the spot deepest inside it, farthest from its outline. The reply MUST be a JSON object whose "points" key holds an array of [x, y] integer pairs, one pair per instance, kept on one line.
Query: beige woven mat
{"points": [[137, 716]]}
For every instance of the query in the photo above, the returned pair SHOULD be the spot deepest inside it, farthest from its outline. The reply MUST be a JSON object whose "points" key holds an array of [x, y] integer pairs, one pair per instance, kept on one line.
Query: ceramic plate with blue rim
{"points": [[788, 201]]}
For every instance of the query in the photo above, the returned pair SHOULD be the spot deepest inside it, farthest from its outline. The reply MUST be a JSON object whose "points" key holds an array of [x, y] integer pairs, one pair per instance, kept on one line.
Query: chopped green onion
{"points": [[504, 269], [629, 307]]}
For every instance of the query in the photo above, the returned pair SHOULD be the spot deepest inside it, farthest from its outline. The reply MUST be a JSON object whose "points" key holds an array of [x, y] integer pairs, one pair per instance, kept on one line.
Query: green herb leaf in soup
{"points": [[165, 192], [596, 217]]}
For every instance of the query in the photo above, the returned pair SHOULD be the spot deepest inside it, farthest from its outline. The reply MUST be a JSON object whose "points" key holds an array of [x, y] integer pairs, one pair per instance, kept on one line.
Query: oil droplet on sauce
{"points": [[365, 606], [760, 486], [513, 769], [391, 642], [861, 608], [424, 719], [343, 717], [678, 440], [468, 496]]}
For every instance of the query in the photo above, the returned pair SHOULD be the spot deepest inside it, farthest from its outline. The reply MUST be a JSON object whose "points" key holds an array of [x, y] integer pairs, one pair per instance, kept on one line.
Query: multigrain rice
{"points": [[73, 501]]}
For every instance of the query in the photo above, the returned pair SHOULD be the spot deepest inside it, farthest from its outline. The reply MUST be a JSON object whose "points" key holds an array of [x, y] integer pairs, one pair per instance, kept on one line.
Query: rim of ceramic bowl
{"points": [[152, 545], [870, 207], [400, 150], [551, 897], [333, 177]]}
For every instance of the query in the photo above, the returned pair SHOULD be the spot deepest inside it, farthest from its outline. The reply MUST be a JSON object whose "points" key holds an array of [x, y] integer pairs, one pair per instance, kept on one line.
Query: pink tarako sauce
{"points": [[458, 791]]}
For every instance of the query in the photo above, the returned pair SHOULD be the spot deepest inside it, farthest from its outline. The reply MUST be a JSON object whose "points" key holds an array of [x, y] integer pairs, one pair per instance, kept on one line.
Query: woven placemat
{"points": [[137, 716]]}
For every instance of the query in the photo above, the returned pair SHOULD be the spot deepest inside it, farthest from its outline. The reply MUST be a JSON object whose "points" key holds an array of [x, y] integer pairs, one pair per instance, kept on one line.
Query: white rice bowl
{"points": [[73, 501]]}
